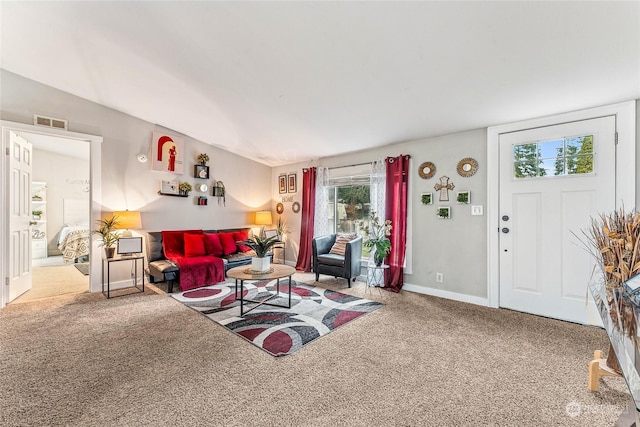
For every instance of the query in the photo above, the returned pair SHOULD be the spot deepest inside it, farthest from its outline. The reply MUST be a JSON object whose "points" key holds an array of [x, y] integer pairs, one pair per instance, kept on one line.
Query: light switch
{"points": [[476, 210]]}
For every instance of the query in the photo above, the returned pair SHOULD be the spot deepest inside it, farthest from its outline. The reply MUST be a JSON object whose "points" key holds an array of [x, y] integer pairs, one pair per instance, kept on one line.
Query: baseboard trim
{"points": [[446, 294]]}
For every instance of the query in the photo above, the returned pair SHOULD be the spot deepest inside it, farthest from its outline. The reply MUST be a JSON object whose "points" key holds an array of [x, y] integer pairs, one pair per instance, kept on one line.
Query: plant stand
{"points": [[598, 368]]}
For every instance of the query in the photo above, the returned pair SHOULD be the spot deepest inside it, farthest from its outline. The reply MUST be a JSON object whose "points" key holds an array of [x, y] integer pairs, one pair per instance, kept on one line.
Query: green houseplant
{"points": [[108, 234], [262, 246], [376, 237], [202, 158], [37, 214]]}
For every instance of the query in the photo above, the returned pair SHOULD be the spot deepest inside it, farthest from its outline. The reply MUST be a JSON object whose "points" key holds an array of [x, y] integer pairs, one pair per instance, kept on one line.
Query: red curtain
{"points": [[396, 211], [308, 213]]}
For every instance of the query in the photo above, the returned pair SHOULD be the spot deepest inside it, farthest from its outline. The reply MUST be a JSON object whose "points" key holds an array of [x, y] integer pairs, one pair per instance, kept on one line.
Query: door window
{"points": [[557, 157]]}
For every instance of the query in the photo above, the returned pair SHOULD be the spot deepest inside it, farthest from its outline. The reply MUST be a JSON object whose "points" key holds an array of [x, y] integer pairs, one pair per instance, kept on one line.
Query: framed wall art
{"points": [[426, 198], [293, 182], [167, 153], [282, 184]]}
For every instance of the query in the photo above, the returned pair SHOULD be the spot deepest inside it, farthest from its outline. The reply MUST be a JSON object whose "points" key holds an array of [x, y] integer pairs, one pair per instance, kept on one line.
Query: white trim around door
{"points": [[625, 114], [95, 194]]}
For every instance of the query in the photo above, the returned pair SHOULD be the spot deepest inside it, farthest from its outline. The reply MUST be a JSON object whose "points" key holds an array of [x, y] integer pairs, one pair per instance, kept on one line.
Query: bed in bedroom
{"points": [[74, 237]]}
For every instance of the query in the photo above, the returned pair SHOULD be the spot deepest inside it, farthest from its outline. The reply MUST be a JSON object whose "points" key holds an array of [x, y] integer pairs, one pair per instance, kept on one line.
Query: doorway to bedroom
{"points": [[60, 207]]}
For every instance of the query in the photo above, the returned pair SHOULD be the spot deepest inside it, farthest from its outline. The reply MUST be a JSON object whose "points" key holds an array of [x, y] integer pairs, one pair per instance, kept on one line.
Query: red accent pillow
{"points": [[193, 245], [212, 244], [228, 243], [240, 236]]}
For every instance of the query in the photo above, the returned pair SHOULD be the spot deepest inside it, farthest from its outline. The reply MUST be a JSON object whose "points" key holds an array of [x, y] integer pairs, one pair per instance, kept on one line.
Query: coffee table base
{"points": [[260, 302]]}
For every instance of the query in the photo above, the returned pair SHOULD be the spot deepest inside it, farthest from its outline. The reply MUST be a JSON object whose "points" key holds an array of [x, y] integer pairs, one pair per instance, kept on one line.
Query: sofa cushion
{"points": [[194, 245], [241, 236], [228, 243], [212, 244], [340, 246]]}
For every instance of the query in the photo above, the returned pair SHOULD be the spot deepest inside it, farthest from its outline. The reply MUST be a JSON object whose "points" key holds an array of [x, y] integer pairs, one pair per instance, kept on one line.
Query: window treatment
{"points": [[321, 220], [308, 213], [397, 182], [377, 187]]}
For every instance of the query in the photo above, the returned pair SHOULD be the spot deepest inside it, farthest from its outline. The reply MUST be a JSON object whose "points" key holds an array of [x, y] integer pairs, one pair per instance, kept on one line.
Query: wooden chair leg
{"points": [[597, 369]]}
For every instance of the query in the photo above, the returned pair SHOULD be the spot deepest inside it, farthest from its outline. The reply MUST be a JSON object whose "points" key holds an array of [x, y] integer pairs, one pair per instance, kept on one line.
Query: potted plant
{"points": [[281, 228], [184, 187], [37, 214], [262, 246], [203, 158], [376, 237], [108, 234]]}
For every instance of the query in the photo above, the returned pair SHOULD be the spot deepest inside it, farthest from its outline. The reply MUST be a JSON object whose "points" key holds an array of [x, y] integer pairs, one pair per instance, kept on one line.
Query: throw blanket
{"points": [[74, 245], [196, 271]]}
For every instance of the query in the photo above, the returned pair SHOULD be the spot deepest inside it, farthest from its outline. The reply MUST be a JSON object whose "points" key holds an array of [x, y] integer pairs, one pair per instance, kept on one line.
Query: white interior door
{"points": [[553, 180], [20, 164]]}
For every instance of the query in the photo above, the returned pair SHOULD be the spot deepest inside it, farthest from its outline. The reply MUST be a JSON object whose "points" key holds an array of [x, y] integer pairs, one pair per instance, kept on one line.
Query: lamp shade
{"points": [[129, 220], [264, 218]]}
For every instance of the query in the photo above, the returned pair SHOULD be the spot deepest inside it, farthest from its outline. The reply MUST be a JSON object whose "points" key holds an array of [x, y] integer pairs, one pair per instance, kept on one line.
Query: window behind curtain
{"points": [[349, 198]]}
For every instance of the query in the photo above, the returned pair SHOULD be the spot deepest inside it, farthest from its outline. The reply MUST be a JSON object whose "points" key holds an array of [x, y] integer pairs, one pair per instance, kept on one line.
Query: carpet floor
{"points": [[148, 360]]}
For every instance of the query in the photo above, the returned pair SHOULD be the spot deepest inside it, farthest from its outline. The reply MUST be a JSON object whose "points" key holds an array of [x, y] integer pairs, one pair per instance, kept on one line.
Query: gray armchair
{"points": [[347, 266]]}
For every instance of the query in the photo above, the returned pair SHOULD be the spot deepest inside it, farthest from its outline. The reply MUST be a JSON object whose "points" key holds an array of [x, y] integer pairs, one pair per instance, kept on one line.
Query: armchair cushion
{"points": [[340, 246]]}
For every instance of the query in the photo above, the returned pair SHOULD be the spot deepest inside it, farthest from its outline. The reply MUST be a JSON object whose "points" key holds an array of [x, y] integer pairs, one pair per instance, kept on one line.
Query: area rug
{"points": [[83, 268], [314, 312]]}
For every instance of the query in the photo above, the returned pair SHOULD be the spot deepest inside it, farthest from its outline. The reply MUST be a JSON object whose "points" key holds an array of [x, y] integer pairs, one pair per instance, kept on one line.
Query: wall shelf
{"points": [[174, 195]]}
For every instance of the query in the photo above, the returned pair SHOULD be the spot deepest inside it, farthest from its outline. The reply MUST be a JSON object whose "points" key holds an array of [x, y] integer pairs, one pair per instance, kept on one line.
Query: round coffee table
{"points": [[243, 273]]}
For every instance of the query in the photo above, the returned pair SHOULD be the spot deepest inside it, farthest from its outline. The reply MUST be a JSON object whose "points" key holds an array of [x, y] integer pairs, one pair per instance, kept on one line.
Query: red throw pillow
{"points": [[228, 243], [193, 245], [240, 236], [212, 245]]}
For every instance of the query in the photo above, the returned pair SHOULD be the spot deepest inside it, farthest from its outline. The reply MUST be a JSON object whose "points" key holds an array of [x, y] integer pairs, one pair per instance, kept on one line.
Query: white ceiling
{"points": [[282, 82]]}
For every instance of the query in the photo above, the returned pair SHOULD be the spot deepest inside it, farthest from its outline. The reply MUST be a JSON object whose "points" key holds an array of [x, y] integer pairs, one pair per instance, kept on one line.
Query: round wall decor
{"points": [[279, 208], [467, 167], [295, 207], [427, 170]]}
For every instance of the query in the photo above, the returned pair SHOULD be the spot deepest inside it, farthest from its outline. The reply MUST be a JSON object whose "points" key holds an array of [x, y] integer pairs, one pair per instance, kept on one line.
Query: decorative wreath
{"points": [[279, 208], [427, 170], [467, 167], [295, 207]]}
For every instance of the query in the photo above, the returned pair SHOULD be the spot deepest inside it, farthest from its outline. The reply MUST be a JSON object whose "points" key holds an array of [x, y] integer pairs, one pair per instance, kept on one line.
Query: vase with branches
{"points": [[614, 241]]}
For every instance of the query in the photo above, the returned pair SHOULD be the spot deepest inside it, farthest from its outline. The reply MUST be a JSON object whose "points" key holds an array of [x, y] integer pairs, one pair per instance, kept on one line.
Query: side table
{"points": [[280, 246], [375, 275], [106, 269]]}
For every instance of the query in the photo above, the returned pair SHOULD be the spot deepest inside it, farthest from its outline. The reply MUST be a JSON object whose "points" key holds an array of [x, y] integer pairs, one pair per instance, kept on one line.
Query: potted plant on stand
{"points": [[184, 188], [108, 234], [377, 237], [202, 158], [262, 246]]}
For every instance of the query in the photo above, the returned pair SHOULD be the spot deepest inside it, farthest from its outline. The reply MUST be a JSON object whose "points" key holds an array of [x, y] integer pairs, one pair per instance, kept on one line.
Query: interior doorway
{"points": [[64, 209], [61, 207]]}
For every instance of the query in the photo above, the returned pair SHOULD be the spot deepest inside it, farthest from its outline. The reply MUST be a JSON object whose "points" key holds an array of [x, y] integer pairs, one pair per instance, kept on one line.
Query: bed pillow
{"points": [[193, 245], [240, 236], [340, 246], [212, 245], [228, 243]]}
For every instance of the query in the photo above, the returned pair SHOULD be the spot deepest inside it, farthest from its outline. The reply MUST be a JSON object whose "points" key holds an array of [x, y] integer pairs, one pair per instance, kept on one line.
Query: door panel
{"points": [[552, 183], [20, 208]]}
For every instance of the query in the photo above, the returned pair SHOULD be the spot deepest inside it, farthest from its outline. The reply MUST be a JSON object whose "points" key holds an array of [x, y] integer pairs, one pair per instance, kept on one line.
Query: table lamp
{"points": [[128, 220], [263, 218]]}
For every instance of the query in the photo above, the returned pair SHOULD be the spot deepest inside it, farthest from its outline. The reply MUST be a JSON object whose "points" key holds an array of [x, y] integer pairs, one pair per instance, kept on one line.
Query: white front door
{"points": [[20, 164], [553, 181]]}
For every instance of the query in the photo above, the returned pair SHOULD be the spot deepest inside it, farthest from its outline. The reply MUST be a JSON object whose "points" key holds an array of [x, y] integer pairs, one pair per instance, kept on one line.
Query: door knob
{"points": [[505, 217], [505, 230]]}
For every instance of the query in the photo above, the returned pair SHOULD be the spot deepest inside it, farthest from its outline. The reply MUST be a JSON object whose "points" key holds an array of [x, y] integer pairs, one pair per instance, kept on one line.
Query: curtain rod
{"points": [[349, 166]]}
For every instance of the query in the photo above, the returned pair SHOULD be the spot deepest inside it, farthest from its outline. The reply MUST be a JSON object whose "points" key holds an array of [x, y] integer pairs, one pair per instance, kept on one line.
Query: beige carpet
{"points": [[52, 279], [147, 360]]}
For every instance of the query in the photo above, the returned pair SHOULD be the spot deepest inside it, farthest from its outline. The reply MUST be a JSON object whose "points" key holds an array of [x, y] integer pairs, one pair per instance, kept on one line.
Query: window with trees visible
{"points": [[348, 204], [558, 157]]}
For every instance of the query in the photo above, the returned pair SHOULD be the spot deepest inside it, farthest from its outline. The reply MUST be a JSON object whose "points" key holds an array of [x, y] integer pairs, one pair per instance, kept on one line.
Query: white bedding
{"points": [[73, 242]]}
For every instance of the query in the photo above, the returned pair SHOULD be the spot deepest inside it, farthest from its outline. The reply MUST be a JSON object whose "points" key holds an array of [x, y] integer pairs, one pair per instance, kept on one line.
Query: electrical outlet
{"points": [[439, 277]]}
